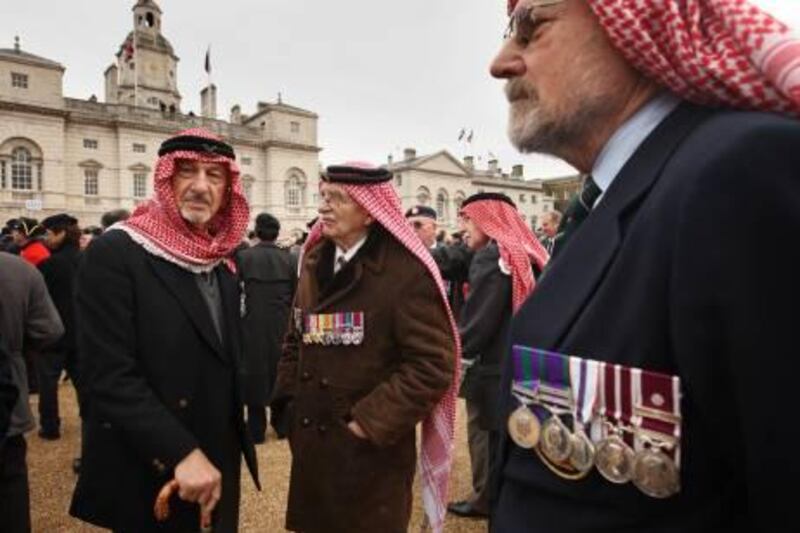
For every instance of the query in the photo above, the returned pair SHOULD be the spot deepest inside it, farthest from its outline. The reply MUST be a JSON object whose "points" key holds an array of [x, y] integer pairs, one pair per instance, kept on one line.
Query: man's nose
{"points": [[201, 181], [508, 63]]}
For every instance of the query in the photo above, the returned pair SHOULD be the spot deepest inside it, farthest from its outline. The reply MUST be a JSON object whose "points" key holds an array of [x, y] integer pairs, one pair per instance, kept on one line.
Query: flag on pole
{"points": [[129, 50], [208, 60], [469, 137], [461, 134]]}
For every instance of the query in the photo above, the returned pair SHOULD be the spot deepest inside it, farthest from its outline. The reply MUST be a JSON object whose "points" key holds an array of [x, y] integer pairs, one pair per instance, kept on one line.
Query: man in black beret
{"points": [[453, 260], [62, 237], [270, 275]]}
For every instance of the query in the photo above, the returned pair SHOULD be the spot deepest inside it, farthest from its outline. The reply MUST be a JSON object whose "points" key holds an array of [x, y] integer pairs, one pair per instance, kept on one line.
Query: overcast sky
{"points": [[382, 75]]}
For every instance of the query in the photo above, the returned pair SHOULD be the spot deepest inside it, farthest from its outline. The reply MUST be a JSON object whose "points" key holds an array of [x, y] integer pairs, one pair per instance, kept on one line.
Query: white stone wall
{"points": [[44, 84]]}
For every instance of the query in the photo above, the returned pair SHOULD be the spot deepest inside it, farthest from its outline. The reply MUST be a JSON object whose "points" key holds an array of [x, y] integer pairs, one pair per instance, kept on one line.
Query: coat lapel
{"points": [[581, 265], [183, 286], [348, 278]]}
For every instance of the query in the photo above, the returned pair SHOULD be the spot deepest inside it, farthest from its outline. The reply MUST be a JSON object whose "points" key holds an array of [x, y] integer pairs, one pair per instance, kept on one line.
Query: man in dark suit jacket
{"points": [[158, 307], [269, 274], [657, 273]]}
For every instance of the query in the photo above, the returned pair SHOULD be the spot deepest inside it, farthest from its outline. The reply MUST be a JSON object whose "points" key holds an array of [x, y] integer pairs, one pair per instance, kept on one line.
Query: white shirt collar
{"points": [[349, 254], [628, 137]]}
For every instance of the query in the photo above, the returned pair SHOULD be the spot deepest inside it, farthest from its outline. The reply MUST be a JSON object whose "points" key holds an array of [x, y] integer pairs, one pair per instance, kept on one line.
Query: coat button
{"points": [[306, 422], [306, 376], [159, 466], [324, 383], [322, 428], [183, 403]]}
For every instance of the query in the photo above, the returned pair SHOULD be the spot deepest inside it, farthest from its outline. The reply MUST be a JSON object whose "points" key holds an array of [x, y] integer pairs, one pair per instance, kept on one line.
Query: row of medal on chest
{"points": [[331, 329], [621, 453]]}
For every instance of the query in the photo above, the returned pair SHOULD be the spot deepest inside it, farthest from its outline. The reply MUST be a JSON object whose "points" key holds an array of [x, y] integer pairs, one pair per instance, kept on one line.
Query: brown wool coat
{"points": [[392, 381]]}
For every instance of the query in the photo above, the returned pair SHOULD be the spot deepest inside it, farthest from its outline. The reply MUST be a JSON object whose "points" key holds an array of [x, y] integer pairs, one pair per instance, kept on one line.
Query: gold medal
{"points": [[556, 442], [582, 456], [655, 474], [614, 459], [524, 427]]}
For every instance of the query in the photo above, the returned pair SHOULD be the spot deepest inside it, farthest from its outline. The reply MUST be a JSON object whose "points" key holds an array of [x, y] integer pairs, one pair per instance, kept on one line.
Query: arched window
{"points": [[442, 206], [423, 196], [294, 188], [21, 169]]}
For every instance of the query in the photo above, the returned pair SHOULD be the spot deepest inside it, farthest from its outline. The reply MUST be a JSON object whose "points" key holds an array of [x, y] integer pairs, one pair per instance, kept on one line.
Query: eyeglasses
{"points": [[523, 22]]}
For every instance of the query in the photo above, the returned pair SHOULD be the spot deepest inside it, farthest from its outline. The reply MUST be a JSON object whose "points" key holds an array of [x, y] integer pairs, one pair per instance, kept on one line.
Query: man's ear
{"points": [[369, 220]]}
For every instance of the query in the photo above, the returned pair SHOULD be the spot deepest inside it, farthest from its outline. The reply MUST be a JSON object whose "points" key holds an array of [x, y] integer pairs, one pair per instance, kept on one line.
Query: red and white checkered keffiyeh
{"points": [[438, 429], [711, 52], [519, 247], [158, 226]]}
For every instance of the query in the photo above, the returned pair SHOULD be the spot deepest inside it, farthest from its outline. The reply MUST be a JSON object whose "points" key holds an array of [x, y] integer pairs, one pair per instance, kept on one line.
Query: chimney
{"points": [[208, 102], [517, 171], [262, 106], [469, 162], [236, 114], [409, 154], [493, 166], [390, 159], [112, 84]]}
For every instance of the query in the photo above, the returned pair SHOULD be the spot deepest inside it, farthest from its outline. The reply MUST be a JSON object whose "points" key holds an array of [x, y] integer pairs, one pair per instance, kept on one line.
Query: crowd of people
{"points": [[625, 372]]}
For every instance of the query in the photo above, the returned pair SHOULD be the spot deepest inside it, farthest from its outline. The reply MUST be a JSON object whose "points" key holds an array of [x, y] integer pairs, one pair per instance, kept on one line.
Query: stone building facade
{"points": [[442, 182], [85, 157]]}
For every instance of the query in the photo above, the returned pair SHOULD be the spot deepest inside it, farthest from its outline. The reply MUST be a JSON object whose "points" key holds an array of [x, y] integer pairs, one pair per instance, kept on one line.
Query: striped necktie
{"points": [[578, 210], [340, 262]]}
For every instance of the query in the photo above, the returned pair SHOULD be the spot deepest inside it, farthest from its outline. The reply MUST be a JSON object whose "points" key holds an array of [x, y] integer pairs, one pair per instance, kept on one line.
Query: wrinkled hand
{"points": [[356, 430], [199, 481]]}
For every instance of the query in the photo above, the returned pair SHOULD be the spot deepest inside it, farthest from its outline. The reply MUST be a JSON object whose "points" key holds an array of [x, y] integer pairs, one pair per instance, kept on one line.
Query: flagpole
{"points": [[135, 69]]}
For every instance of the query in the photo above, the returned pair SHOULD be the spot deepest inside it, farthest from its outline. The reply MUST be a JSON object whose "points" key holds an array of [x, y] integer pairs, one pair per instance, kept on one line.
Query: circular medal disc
{"points": [[655, 474], [347, 338], [524, 428], [614, 460], [556, 442], [582, 456], [358, 338]]}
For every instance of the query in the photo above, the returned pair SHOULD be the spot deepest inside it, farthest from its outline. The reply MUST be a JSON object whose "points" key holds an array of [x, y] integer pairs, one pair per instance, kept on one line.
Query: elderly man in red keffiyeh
{"points": [[501, 276], [646, 385], [158, 308], [372, 350]]}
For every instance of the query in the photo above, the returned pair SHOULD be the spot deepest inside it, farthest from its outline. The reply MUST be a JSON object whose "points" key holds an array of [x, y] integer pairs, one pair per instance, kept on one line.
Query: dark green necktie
{"points": [[578, 210]]}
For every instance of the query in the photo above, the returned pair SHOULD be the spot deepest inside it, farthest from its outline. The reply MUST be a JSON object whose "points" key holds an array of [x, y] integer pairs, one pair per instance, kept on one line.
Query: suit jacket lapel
{"points": [[580, 266], [183, 286]]}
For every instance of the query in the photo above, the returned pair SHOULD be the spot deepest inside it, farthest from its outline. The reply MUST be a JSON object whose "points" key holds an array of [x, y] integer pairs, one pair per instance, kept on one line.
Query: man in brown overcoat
{"points": [[371, 351]]}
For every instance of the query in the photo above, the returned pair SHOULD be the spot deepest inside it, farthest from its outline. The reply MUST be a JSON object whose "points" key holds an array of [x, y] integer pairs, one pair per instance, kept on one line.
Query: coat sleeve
{"points": [[43, 325], [8, 391], [426, 350], [487, 304], [118, 389], [286, 379], [453, 261], [734, 288]]}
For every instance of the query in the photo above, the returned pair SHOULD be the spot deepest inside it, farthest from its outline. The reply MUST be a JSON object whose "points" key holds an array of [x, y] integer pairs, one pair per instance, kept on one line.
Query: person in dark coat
{"points": [[62, 237], [659, 342], [452, 259], [158, 331], [269, 274], [8, 392], [28, 321], [501, 276], [370, 353]]}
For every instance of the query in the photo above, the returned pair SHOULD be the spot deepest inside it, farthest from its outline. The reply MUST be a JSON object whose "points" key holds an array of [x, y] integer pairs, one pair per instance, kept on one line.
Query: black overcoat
{"points": [[159, 382]]}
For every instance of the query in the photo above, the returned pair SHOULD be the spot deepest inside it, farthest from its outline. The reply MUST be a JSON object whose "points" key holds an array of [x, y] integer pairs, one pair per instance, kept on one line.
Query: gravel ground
{"points": [[52, 481]]}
